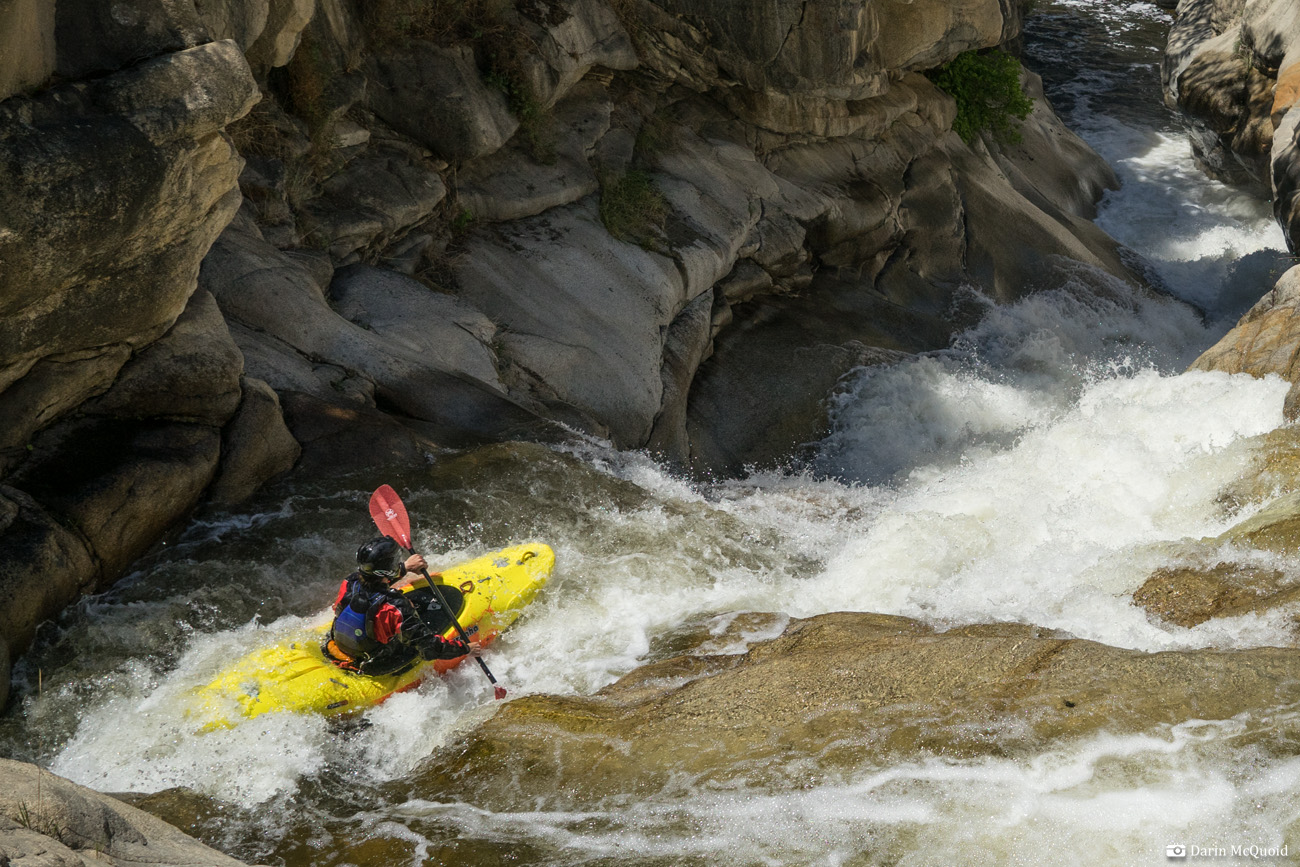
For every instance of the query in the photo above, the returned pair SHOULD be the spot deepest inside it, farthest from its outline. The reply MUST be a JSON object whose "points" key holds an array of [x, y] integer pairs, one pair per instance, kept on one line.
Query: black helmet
{"points": [[378, 558]]}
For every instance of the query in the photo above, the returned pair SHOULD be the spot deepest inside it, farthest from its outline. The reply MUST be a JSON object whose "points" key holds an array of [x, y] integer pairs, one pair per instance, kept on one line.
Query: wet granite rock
{"points": [[1266, 340], [256, 445], [47, 820], [849, 690]]}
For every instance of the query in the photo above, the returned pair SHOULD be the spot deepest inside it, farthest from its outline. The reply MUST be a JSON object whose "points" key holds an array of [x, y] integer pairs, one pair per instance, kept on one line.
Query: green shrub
{"points": [[988, 93], [632, 209]]}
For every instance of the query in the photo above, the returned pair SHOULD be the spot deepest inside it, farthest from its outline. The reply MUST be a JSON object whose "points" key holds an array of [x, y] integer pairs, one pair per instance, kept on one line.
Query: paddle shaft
{"points": [[389, 514], [460, 630]]}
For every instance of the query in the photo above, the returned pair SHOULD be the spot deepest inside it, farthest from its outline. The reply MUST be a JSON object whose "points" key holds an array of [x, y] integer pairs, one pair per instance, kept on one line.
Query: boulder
{"points": [[1265, 340], [256, 446], [848, 690], [119, 484], [374, 199], [277, 296], [45, 819], [51, 388], [460, 116], [279, 37], [43, 566], [94, 37], [189, 374], [110, 187]]}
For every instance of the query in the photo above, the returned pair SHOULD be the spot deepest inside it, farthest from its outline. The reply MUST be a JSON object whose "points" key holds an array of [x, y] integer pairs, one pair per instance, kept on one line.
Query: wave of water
{"points": [[1036, 472]]}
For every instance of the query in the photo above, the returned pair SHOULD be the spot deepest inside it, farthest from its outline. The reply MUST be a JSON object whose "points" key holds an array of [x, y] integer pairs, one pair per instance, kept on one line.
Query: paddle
{"points": [[389, 514]]}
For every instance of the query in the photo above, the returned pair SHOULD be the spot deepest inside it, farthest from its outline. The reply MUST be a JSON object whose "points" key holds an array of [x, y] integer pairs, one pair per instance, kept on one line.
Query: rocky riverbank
{"points": [[232, 230], [242, 237]]}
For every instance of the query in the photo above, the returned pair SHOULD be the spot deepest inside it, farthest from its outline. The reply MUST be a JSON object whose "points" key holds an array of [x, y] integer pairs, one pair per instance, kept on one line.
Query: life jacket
{"points": [[353, 631]]}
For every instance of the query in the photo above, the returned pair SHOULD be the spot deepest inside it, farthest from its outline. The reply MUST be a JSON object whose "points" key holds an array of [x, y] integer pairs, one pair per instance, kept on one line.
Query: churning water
{"points": [[1035, 472]]}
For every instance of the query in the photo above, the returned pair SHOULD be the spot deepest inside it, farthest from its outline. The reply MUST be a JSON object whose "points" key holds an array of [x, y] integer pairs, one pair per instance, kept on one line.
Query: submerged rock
{"points": [[845, 690]]}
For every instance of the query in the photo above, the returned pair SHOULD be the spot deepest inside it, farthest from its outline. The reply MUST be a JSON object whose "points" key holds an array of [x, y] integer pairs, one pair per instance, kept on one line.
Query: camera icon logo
{"points": [[1176, 850]]}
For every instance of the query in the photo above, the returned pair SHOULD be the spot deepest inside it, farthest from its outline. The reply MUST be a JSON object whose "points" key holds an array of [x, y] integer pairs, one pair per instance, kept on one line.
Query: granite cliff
{"points": [[229, 230]]}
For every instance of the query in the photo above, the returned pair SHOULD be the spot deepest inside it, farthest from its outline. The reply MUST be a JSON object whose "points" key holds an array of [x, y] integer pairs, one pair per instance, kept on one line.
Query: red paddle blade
{"points": [[390, 515], [499, 692]]}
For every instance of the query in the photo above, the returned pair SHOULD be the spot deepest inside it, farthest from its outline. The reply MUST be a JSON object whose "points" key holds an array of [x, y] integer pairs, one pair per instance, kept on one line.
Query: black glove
{"points": [[438, 647]]}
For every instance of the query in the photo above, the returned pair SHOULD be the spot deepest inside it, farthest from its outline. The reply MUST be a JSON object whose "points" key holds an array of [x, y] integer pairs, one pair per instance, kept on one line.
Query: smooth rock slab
{"points": [[847, 691], [47, 820], [585, 313]]}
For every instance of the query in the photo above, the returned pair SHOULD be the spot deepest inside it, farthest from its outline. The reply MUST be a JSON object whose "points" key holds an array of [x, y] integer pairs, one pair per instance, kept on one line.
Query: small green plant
{"points": [[987, 89], [462, 221], [632, 209], [40, 824]]}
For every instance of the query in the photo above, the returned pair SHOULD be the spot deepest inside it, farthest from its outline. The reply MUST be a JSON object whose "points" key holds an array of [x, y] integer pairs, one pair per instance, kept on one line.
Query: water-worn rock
{"points": [[1233, 574], [255, 446], [512, 183], [26, 43], [112, 186], [589, 326], [461, 117], [119, 483], [433, 325], [191, 373], [850, 690], [1189, 595], [1226, 65], [277, 296], [280, 35], [1266, 340], [569, 38], [47, 820], [44, 565]]}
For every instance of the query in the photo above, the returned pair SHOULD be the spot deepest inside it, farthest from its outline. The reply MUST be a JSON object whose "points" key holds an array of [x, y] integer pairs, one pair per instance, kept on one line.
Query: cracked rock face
{"points": [[419, 246]]}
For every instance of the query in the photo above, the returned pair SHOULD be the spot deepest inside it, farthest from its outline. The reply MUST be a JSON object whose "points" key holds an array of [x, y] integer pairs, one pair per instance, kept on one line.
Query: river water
{"points": [[1032, 473]]}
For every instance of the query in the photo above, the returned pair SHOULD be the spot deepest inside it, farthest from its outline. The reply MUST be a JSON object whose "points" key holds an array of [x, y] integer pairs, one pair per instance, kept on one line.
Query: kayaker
{"points": [[376, 629]]}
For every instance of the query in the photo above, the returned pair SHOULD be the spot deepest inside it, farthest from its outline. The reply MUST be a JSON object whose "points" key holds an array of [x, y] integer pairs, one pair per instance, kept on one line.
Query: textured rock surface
{"points": [[47, 820], [1230, 64], [856, 689], [422, 250], [26, 43], [255, 445], [111, 192]]}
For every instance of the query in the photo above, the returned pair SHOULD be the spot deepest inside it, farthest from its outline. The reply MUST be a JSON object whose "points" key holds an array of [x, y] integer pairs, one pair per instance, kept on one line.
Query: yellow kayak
{"points": [[295, 676]]}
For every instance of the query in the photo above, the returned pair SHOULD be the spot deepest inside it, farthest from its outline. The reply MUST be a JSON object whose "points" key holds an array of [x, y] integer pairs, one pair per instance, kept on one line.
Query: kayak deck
{"points": [[294, 675]]}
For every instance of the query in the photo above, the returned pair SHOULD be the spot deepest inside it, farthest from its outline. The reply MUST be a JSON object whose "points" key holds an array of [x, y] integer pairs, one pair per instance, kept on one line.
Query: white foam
{"points": [[1106, 799]]}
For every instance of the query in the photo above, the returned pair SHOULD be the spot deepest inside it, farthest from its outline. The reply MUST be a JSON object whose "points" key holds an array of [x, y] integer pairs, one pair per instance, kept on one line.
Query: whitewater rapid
{"points": [[1035, 472]]}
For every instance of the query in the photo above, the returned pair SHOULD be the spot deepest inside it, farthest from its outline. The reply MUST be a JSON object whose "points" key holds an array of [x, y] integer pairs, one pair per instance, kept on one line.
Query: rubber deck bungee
{"points": [[294, 675]]}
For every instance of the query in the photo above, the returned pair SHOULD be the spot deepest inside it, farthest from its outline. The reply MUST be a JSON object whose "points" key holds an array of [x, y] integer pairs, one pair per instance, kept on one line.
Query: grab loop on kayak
{"points": [[467, 587], [528, 555]]}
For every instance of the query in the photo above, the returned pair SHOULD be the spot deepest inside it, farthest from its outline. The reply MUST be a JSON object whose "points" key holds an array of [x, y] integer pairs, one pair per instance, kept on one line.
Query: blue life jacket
{"points": [[354, 626]]}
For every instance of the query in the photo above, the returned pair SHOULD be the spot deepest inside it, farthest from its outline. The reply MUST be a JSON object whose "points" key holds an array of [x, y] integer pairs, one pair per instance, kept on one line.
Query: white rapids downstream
{"points": [[1035, 473]]}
